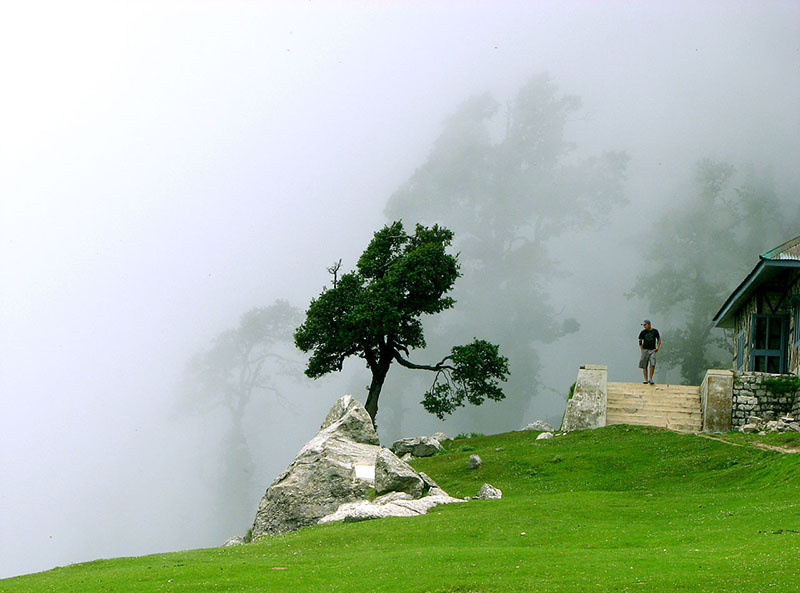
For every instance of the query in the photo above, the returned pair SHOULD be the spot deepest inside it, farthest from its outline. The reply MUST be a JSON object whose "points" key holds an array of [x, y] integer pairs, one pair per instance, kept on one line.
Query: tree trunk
{"points": [[379, 372]]}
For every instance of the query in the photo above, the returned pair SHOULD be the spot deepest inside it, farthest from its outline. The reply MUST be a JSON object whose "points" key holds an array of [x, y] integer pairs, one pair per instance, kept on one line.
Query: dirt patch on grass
{"points": [[754, 443], [776, 448]]}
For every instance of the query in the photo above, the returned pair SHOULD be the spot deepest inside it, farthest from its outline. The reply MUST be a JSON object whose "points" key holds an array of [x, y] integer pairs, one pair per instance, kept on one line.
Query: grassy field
{"points": [[616, 509]]}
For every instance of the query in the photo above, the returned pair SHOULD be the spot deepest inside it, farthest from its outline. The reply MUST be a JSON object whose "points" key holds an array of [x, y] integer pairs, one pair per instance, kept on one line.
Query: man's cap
{"points": [[646, 322]]}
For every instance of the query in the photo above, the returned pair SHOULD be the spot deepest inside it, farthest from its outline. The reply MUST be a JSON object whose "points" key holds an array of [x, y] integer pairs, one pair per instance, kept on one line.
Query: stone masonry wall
{"points": [[751, 398]]}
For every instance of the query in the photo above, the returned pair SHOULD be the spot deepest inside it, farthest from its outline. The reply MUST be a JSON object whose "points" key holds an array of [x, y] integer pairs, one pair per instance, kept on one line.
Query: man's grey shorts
{"points": [[648, 359]]}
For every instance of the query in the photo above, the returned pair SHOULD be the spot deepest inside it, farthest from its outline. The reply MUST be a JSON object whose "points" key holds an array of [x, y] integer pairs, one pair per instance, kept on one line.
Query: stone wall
{"points": [[752, 398]]}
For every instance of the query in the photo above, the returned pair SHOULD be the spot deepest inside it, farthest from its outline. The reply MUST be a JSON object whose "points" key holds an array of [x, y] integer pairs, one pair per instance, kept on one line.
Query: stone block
{"points": [[716, 393], [587, 407]]}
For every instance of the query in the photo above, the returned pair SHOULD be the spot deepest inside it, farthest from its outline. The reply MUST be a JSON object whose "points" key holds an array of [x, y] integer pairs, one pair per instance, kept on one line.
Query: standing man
{"points": [[649, 343]]}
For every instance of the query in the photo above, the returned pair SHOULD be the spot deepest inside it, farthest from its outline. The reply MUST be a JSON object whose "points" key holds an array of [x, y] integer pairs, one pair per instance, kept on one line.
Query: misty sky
{"points": [[165, 166]]}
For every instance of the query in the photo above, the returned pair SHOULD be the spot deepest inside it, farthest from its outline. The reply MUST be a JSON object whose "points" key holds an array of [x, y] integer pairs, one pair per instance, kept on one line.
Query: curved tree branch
{"points": [[440, 366]]}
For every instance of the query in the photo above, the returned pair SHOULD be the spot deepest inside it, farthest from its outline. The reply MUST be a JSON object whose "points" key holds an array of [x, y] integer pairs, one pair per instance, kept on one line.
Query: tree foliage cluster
{"points": [[375, 311]]}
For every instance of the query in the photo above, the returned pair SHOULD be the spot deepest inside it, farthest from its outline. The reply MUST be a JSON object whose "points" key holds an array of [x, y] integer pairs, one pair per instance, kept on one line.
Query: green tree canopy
{"points": [[374, 313]]}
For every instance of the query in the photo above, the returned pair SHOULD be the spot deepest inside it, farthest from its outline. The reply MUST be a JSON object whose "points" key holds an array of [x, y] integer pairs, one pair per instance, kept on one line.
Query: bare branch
{"points": [[334, 271], [438, 367]]}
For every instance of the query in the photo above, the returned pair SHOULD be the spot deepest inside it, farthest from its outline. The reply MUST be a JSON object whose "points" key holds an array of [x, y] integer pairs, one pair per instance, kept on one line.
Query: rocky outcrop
{"points": [[333, 474]]}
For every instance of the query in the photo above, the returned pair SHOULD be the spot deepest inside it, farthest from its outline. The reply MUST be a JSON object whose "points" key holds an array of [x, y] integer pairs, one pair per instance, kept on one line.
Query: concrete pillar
{"points": [[587, 407], [716, 395]]}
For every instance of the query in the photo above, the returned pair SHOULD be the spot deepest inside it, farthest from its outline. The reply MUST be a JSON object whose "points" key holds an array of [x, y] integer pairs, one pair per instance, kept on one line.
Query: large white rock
{"points": [[333, 472], [333, 468]]}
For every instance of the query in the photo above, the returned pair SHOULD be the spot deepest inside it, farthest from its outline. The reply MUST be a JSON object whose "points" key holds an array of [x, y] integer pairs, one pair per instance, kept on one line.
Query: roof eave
{"points": [[725, 316]]}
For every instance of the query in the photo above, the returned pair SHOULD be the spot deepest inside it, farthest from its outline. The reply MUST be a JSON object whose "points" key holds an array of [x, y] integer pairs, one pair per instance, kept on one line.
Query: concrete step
{"points": [[641, 387], [653, 396], [676, 424], [655, 414], [651, 421], [676, 407], [631, 402]]}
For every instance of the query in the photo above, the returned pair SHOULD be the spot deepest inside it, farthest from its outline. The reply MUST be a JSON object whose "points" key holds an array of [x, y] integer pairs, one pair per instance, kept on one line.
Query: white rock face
{"points": [[396, 507], [393, 475]]}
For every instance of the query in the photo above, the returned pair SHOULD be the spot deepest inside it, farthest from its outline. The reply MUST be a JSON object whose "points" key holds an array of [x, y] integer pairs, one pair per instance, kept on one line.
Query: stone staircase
{"points": [[676, 407]]}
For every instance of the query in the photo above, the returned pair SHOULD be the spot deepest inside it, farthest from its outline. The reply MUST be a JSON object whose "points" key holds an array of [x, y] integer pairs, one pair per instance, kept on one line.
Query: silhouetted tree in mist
{"points": [[699, 251], [241, 364], [508, 183]]}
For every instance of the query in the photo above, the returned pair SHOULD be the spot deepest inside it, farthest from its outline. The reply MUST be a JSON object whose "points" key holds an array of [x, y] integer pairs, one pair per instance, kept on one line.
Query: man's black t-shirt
{"points": [[649, 338]]}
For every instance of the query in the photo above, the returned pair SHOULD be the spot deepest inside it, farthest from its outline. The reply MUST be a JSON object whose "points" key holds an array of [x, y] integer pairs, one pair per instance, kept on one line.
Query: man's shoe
{"points": [[645, 382], [651, 383]]}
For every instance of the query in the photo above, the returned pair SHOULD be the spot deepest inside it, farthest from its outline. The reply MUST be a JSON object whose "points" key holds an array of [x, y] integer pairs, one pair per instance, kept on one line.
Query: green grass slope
{"points": [[615, 509]]}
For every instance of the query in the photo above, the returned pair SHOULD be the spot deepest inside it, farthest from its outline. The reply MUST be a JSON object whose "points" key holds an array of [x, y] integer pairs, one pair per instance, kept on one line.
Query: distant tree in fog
{"points": [[700, 250], [240, 364], [507, 184], [374, 313]]}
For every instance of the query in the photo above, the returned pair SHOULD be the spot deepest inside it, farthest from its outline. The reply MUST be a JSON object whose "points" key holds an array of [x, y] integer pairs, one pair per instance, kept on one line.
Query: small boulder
{"points": [[417, 446], [544, 436], [487, 492], [234, 541], [750, 427], [474, 462], [440, 436], [539, 425]]}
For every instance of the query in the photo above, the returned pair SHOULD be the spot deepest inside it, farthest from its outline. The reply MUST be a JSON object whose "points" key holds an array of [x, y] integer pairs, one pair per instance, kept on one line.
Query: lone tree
{"points": [[374, 313]]}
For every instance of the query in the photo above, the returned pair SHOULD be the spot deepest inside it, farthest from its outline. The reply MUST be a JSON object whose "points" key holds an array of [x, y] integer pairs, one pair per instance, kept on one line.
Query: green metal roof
{"points": [[771, 264], [788, 251]]}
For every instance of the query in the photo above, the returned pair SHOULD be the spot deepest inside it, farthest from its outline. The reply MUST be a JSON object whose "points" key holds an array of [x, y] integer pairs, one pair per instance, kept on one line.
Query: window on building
{"points": [[768, 344]]}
